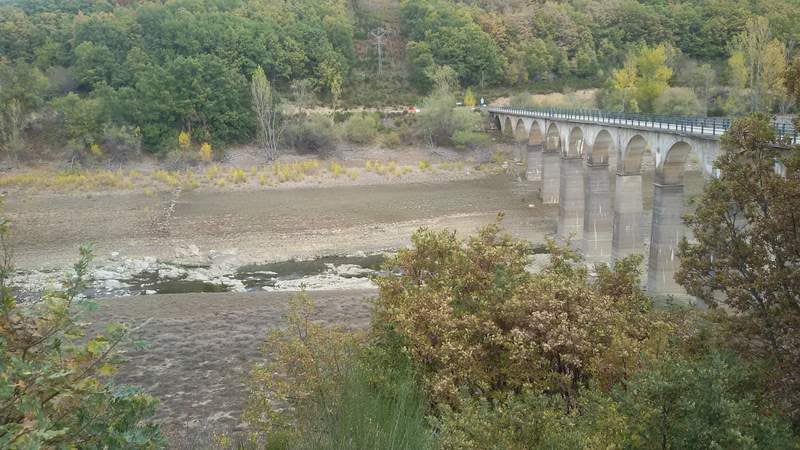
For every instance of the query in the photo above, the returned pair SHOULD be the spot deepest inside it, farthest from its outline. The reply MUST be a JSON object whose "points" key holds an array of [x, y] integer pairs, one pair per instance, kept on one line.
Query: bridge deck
{"points": [[703, 127]]}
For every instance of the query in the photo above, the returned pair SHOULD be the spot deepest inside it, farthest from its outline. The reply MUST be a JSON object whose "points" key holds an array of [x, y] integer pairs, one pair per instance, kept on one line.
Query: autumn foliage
{"points": [[475, 318]]}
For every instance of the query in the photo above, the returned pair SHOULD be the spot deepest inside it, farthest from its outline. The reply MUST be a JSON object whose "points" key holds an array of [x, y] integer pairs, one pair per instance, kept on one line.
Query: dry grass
{"points": [[211, 176]]}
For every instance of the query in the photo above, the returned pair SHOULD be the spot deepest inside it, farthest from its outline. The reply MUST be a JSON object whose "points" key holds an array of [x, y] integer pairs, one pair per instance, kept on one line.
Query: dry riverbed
{"points": [[203, 344], [201, 348]]}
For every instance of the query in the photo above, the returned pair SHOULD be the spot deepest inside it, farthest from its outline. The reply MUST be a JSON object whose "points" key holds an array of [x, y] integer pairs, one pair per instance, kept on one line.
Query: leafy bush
{"points": [[469, 139], [477, 321], [678, 101], [439, 120], [340, 394], [314, 133], [361, 128], [54, 382], [391, 139]]}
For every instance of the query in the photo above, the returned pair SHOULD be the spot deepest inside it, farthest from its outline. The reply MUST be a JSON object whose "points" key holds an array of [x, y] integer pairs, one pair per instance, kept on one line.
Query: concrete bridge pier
{"points": [[571, 199], [533, 170], [551, 173], [598, 217], [627, 222], [668, 229]]}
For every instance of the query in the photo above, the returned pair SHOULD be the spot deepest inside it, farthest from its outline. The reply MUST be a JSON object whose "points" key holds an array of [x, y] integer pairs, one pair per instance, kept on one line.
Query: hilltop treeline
{"points": [[131, 70]]}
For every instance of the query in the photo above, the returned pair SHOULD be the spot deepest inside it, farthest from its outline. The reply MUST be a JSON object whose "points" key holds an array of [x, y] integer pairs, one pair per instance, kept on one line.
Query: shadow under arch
{"points": [[553, 138], [508, 129], [602, 148], [673, 168], [497, 124], [520, 134], [535, 136], [633, 156], [574, 149]]}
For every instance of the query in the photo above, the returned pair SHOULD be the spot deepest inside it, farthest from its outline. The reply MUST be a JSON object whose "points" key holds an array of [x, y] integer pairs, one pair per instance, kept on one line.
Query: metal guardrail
{"points": [[702, 126]]}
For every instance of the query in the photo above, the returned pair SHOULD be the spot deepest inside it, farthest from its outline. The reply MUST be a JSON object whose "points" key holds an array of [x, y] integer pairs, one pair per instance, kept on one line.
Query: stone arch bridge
{"points": [[591, 164]]}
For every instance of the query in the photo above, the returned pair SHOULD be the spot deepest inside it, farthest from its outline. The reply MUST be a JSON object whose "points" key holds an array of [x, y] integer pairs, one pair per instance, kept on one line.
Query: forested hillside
{"points": [[130, 69]]}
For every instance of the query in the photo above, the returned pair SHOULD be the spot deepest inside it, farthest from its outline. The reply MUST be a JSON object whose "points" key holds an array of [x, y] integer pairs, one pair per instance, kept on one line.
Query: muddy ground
{"points": [[201, 347], [264, 225]]}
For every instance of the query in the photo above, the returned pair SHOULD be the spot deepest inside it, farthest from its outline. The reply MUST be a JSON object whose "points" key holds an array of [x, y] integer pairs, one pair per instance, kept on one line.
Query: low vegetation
{"points": [[56, 389], [468, 350], [212, 175]]}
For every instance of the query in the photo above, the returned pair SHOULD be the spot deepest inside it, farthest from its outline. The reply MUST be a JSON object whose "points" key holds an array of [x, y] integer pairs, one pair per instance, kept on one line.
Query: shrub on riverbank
{"points": [[500, 358], [360, 128], [55, 385], [312, 134]]}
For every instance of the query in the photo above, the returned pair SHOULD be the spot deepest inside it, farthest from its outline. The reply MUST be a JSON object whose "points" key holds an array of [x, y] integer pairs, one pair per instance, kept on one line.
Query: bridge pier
{"points": [[533, 170], [571, 199], [668, 229], [598, 215], [628, 210], [551, 172]]}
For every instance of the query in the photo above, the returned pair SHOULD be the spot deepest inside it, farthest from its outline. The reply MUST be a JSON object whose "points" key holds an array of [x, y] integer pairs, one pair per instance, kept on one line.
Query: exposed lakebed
{"points": [[147, 276]]}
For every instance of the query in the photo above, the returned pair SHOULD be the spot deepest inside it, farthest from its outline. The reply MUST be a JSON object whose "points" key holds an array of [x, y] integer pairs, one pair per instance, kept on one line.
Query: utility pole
{"points": [[379, 34]]}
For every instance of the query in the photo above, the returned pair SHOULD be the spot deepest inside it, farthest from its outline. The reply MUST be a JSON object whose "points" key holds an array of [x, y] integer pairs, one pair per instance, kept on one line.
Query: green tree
{"points": [[765, 61], [55, 389], [22, 90], [747, 245], [653, 75], [266, 111], [678, 101], [82, 120], [94, 64], [677, 402], [643, 77]]}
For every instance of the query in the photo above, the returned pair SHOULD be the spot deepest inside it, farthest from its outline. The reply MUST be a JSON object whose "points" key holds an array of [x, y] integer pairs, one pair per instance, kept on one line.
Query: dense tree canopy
{"points": [[184, 65]]}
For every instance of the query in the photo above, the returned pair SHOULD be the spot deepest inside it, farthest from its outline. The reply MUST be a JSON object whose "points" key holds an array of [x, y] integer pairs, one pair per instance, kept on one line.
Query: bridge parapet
{"points": [[707, 127]]}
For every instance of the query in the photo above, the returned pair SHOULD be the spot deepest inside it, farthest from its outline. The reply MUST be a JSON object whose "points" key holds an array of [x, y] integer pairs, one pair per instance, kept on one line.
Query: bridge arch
{"points": [[602, 147], [520, 133], [633, 154], [498, 124], [553, 138], [508, 128], [574, 148], [674, 166], [536, 136]]}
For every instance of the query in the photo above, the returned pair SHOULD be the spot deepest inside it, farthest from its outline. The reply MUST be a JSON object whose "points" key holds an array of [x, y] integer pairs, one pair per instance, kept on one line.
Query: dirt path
{"points": [[201, 347], [264, 225]]}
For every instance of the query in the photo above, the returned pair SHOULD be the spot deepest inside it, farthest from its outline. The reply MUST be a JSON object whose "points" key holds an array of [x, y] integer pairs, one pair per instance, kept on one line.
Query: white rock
{"points": [[352, 270], [194, 250], [114, 256], [197, 275], [114, 284], [170, 272], [149, 292], [103, 274]]}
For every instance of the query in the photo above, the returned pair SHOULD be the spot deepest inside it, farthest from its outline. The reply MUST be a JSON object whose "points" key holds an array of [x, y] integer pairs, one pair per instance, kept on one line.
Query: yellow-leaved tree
{"points": [[184, 140], [469, 98]]}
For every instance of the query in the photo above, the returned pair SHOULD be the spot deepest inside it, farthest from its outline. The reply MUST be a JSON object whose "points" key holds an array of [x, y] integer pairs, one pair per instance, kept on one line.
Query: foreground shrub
{"points": [[673, 402], [313, 134], [329, 388], [361, 128], [54, 383], [475, 320]]}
